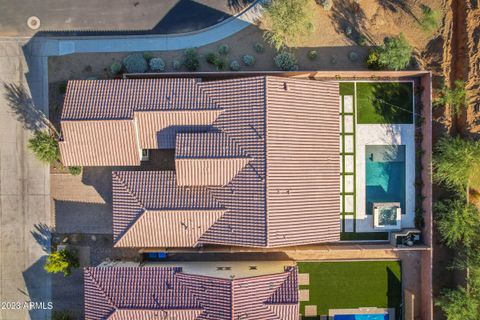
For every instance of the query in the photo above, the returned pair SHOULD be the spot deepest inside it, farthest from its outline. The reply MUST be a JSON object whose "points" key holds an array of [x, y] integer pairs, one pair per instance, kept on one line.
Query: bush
{"points": [[454, 98], [62, 87], [286, 21], [135, 63], [45, 147], [115, 67], [457, 222], [248, 59], [458, 304], [176, 64], [75, 171], [286, 61], [234, 65], [61, 261], [258, 47], [312, 54], [326, 4], [212, 58], [157, 64], [148, 55], [190, 59], [223, 49], [430, 19], [394, 54], [362, 40]]}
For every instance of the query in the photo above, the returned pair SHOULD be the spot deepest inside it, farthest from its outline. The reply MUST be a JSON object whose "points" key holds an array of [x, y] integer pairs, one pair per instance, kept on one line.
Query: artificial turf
{"points": [[353, 284], [384, 102]]}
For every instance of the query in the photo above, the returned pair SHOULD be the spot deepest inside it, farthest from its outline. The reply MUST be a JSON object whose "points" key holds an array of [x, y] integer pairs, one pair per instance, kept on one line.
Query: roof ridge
{"points": [[127, 189], [101, 289]]}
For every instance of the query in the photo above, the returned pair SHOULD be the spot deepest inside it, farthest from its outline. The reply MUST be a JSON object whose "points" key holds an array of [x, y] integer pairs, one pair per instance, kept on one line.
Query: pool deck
{"points": [[385, 134]]}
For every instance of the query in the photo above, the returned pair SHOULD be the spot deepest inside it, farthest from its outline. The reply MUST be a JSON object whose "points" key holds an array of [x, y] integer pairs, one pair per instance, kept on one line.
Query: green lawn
{"points": [[338, 285], [384, 102]]}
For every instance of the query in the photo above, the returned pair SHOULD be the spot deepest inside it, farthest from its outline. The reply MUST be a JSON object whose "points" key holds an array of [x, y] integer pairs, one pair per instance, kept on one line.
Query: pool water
{"points": [[385, 175], [361, 317]]}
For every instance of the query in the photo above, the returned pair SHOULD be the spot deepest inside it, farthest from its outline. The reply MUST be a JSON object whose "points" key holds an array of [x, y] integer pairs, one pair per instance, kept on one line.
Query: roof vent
{"points": [[285, 86]]}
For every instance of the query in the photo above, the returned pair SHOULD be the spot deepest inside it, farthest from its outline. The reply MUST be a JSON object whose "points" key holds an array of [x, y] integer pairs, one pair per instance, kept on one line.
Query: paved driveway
{"points": [[24, 202], [62, 17]]}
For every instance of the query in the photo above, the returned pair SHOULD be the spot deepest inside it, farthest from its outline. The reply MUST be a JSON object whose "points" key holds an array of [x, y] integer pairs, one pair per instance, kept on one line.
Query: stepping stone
{"points": [[304, 279], [348, 104], [304, 295], [349, 183], [348, 164], [348, 144], [311, 311], [349, 203], [348, 124]]}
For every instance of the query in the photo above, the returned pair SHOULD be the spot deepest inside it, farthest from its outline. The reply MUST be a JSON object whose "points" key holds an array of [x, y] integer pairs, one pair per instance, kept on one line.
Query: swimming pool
{"points": [[384, 175], [361, 317]]}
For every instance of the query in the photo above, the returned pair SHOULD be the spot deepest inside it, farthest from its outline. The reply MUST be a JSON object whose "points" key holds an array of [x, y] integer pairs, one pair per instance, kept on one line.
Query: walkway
{"points": [[24, 192]]}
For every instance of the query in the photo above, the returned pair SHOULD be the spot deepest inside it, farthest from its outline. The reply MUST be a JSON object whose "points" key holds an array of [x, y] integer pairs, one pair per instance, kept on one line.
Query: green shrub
{"points": [[286, 21], [176, 64], [157, 64], [45, 147], [116, 67], [286, 61], [212, 58], [234, 65], [362, 40], [394, 54], [259, 48], [75, 171], [458, 304], [61, 261], [148, 55], [430, 19], [312, 54], [190, 59], [223, 49], [135, 63], [62, 87], [248, 59], [455, 98], [458, 223]]}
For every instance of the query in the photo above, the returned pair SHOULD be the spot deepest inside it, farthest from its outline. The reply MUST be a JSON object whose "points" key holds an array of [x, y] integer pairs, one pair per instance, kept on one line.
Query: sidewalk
{"points": [[24, 194]]}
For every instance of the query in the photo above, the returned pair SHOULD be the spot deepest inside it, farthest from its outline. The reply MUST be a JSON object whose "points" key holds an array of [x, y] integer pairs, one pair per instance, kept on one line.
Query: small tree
{"points": [[459, 304], [61, 261], [190, 59], [458, 222], [456, 164], [286, 21], [430, 19], [454, 98], [44, 146], [394, 54]]}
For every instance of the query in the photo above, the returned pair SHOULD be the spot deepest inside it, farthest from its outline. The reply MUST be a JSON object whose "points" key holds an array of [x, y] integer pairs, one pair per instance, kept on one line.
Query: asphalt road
{"points": [[107, 17]]}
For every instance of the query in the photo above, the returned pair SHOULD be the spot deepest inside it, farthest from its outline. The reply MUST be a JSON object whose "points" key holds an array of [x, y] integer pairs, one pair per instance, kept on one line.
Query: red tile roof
{"points": [[139, 292], [269, 159]]}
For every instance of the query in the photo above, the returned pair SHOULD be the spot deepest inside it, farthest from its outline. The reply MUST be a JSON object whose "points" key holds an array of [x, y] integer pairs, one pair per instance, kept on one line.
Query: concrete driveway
{"points": [[24, 202], [106, 17]]}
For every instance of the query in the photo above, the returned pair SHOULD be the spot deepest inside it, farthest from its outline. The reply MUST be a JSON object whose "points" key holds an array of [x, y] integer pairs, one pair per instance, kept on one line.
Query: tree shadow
{"points": [[21, 103], [43, 235], [347, 14], [38, 284], [396, 6]]}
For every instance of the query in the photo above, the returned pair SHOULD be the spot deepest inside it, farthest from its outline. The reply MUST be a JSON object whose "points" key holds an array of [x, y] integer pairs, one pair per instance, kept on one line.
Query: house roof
{"points": [[140, 292], [265, 152]]}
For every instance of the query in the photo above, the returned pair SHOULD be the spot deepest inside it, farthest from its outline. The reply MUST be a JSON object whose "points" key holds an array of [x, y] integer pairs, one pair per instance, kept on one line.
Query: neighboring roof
{"points": [[264, 150], [140, 292]]}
